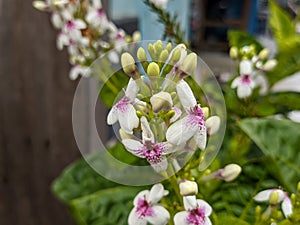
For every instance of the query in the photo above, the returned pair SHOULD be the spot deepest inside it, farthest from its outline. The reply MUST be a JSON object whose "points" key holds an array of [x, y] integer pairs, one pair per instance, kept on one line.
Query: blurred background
{"points": [[36, 136]]}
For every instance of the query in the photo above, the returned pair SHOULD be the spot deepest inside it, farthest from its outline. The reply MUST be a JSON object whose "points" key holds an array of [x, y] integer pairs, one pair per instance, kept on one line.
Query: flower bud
{"points": [[233, 52], [274, 198], [141, 54], [161, 101], [40, 5], [158, 46], [263, 54], [136, 36], [189, 64], [169, 47], [205, 111], [163, 56], [128, 63], [230, 172], [213, 124], [269, 65], [187, 188], [151, 51], [175, 56], [298, 187], [153, 70]]}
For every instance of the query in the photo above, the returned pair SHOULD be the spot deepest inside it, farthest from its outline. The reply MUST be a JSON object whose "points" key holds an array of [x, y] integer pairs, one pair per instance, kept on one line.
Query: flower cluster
{"points": [[146, 208], [251, 68], [84, 30], [159, 105]]}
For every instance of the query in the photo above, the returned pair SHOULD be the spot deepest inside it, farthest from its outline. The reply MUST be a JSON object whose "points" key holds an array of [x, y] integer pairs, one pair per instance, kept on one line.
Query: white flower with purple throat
{"points": [[146, 210], [124, 111], [244, 83], [190, 126], [196, 212], [154, 152]]}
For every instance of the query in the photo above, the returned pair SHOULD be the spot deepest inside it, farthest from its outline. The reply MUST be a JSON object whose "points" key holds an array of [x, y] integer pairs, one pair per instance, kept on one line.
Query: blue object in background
{"points": [[149, 27]]}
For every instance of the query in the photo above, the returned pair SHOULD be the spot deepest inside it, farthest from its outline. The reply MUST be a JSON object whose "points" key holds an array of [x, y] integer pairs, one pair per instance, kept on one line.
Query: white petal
{"points": [[246, 67], [112, 116], [133, 147], [287, 207], [91, 16], [181, 131], [185, 95], [161, 216], [213, 124], [80, 24], [134, 219], [74, 72], [97, 4], [177, 114], [244, 91], [113, 57], [190, 202], [200, 138], [141, 195], [131, 90], [207, 221], [56, 20], [128, 119], [147, 132], [156, 193], [168, 148], [160, 166], [180, 218], [236, 82], [263, 196], [205, 205]]}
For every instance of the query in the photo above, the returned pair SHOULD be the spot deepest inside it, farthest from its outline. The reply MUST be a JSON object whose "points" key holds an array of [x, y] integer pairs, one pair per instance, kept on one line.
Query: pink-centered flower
{"points": [[124, 111], [193, 124], [73, 28], [196, 212], [146, 210], [96, 15], [244, 83], [286, 204], [155, 153]]}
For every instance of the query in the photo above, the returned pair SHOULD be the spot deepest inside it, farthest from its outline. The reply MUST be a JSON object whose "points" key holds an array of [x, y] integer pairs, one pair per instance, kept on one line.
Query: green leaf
{"points": [[279, 139], [281, 24], [241, 39], [78, 180], [229, 220], [106, 207]]}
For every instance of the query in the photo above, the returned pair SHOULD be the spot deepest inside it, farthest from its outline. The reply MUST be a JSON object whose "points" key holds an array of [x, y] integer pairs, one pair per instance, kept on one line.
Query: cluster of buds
{"points": [[251, 67], [84, 30], [148, 210], [159, 114]]}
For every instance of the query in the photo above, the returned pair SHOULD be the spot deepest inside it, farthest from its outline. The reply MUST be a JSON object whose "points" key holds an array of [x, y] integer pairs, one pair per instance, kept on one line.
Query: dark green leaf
{"points": [[281, 140]]}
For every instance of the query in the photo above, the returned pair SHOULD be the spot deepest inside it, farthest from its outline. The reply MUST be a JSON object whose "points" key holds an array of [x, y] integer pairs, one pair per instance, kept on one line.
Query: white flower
{"points": [[79, 70], [286, 205], [146, 210], [96, 15], [244, 85], [73, 28], [193, 124], [124, 111], [161, 4], [154, 152], [196, 212]]}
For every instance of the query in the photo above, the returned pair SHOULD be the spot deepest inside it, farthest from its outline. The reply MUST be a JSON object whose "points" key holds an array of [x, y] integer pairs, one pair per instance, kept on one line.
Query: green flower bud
{"points": [[169, 47], [158, 46], [263, 54], [153, 69], [205, 111], [274, 198], [163, 56], [175, 56], [139, 114], [141, 54], [170, 114], [189, 64], [151, 51], [234, 53], [128, 63]]}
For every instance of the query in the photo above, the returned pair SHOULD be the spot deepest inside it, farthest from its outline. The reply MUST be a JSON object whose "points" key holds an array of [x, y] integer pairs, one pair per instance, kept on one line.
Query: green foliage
{"points": [[105, 207], [240, 39], [279, 139]]}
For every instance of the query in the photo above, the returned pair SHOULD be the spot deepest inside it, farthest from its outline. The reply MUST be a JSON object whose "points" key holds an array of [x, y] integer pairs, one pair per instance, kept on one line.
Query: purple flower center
{"points": [[196, 216], [122, 105], [70, 25], [120, 36], [153, 152], [196, 116], [144, 208], [246, 79], [100, 12]]}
